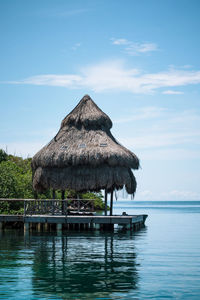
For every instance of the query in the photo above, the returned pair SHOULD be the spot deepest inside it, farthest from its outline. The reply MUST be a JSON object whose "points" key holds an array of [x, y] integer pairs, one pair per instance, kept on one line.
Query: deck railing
{"points": [[53, 206]]}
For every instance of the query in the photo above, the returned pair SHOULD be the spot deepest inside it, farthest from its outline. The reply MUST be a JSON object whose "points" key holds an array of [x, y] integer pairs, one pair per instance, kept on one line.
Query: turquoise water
{"points": [[161, 261]]}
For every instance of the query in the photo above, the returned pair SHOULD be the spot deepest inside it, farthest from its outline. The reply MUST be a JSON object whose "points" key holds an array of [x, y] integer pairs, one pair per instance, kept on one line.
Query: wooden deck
{"points": [[68, 214], [45, 222]]}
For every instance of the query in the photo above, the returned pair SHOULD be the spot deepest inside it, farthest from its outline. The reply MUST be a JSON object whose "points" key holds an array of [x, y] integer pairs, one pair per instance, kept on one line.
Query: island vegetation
{"points": [[16, 182]]}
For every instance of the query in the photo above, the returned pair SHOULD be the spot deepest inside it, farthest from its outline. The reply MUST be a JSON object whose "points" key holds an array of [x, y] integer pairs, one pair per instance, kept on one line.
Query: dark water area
{"points": [[161, 261]]}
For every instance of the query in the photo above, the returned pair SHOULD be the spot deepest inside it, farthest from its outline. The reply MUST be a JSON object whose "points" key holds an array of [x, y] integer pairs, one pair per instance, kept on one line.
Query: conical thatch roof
{"points": [[84, 156]]}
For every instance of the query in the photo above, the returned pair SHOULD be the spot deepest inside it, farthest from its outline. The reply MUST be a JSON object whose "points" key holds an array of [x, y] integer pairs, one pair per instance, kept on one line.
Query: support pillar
{"points": [[78, 204], [54, 197], [26, 227], [31, 227], [106, 199], [46, 227], [39, 227], [59, 227], [111, 203], [128, 227], [63, 197], [97, 226]]}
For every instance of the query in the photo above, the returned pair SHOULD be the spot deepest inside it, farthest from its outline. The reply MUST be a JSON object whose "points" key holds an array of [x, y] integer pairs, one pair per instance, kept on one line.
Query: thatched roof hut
{"points": [[84, 155]]}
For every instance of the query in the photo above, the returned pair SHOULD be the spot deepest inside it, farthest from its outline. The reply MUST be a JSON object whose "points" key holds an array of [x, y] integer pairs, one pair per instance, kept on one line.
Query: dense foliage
{"points": [[16, 182]]}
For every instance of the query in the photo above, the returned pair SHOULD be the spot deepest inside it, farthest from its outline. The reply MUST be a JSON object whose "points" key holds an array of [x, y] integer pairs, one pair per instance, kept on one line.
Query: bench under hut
{"points": [[84, 156]]}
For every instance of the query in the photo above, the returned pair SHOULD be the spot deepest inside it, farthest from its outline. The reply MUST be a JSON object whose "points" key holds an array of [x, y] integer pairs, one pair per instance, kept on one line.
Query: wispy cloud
{"points": [[171, 92], [64, 13], [115, 76], [76, 46], [168, 154], [133, 48], [120, 41], [182, 195], [144, 113], [175, 195], [70, 81], [137, 48], [162, 139], [165, 134]]}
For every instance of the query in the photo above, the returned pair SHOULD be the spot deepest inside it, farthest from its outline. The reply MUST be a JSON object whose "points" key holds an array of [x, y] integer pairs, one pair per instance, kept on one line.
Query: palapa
{"points": [[84, 155]]}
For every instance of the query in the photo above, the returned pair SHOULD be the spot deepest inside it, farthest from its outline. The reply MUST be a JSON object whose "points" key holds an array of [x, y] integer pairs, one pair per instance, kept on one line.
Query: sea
{"points": [[161, 261]]}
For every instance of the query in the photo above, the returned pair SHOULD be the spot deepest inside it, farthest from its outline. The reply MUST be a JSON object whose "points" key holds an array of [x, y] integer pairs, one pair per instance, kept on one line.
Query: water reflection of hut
{"points": [[84, 155], [72, 268]]}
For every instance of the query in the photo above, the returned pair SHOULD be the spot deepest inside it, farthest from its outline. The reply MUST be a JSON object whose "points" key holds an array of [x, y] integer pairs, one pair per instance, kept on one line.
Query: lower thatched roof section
{"points": [[85, 178]]}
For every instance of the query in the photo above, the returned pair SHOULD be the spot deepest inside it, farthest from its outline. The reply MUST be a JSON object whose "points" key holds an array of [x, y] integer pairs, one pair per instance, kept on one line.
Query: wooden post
{"points": [[46, 226], [97, 226], [66, 206], [78, 203], [39, 227], [24, 207], [59, 227], [106, 198], [54, 197], [63, 197], [111, 203], [91, 225], [26, 227]]}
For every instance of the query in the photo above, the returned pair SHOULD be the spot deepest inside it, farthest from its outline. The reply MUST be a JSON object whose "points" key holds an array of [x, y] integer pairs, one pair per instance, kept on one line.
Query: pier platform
{"points": [[70, 222]]}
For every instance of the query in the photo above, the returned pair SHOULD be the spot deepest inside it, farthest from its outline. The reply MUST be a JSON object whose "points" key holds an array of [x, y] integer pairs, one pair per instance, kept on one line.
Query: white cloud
{"points": [[170, 92], [182, 195], [162, 139], [173, 195], [184, 119], [165, 134], [120, 42], [113, 75], [110, 76], [167, 118], [133, 48], [144, 113], [76, 46], [146, 194], [70, 81], [168, 154]]}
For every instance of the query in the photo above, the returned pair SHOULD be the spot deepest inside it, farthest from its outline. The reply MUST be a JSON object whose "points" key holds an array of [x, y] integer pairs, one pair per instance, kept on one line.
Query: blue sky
{"points": [[138, 60]]}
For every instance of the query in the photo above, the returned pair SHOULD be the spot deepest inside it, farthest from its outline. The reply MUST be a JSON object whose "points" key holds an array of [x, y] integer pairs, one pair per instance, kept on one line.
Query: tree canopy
{"points": [[16, 182]]}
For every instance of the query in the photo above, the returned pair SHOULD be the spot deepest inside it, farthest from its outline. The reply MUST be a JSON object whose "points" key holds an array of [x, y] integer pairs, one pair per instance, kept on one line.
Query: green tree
{"points": [[10, 185], [3, 155], [97, 198], [16, 182]]}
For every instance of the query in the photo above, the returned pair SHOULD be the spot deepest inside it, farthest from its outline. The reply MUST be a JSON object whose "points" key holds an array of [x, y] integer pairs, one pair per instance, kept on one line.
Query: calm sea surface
{"points": [[161, 261]]}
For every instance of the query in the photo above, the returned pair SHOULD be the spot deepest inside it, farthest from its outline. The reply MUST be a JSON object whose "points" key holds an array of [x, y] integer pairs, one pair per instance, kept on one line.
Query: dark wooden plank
{"points": [[11, 218], [137, 219]]}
